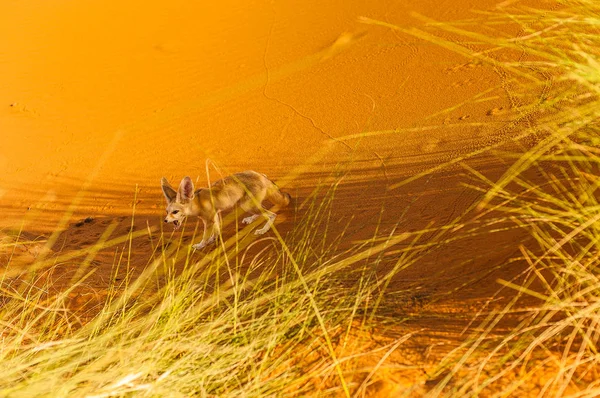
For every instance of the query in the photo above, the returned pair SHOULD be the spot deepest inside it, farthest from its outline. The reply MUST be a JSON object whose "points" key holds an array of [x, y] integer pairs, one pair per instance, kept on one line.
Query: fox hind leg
{"points": [[270, 220], [256, 211], [250, 219]]}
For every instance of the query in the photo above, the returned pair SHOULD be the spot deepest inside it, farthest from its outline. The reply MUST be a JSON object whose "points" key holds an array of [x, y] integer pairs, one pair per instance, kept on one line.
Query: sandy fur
{"points": [[247, 189]]}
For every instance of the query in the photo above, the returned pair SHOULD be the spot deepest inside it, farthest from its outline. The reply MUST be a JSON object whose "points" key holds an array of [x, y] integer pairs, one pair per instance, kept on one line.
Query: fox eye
{"points": [[175, 212]]}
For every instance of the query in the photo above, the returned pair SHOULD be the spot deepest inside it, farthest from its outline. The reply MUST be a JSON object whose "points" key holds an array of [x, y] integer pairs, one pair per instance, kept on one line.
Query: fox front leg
{"points": [[202, 244], [214, 227]]}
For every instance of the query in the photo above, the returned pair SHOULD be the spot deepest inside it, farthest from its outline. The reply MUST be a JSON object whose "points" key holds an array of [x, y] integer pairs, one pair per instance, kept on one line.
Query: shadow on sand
{"points": [[112, 232]]}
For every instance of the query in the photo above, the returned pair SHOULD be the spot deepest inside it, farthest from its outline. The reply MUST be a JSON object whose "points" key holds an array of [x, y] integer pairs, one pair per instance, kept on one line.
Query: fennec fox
{"points": [[247, 189]]}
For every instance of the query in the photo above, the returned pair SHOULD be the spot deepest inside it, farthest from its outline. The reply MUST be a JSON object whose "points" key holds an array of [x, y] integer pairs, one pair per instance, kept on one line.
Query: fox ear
{"points": [[170, 193], [186, 190]]}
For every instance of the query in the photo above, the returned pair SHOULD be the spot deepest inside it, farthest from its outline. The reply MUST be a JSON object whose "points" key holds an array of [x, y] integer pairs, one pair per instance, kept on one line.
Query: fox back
{"points": [[247, 189]]}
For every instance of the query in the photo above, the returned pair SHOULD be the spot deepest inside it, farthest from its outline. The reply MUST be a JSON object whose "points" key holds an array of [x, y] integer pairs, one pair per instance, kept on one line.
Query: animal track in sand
{"points": [[461, 67], [431, 144], [463, 83], [87, 220], [470, 82], [495, 111], [19, 108]]}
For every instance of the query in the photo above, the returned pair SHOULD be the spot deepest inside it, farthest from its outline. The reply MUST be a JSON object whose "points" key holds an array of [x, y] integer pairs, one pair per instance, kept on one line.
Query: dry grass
{"points": [[551, 191], [227, 325]]}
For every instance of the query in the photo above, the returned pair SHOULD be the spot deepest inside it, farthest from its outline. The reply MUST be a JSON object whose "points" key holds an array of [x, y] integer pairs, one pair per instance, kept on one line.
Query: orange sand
{"points": [[120, 94]]}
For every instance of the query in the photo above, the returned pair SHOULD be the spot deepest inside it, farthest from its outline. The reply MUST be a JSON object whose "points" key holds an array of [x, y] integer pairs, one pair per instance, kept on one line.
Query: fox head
{"points": [[179, 203]]}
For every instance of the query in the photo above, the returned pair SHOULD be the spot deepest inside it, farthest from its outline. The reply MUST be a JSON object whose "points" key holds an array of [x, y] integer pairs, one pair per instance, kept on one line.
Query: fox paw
{"points": [[249, 220], [199, 246], [204, 243]]}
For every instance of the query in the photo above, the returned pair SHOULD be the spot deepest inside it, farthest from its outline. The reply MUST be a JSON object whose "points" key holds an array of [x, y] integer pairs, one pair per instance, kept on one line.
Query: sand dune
{"points": [[133, 92], [98, 98]]}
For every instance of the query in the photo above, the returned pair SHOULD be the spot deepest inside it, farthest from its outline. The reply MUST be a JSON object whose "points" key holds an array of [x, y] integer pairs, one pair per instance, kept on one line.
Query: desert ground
{"points": [[99, 100]]}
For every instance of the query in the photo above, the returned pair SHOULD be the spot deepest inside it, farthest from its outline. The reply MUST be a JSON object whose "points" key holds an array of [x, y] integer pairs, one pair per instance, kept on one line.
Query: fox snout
{"points": [[176, 223]]}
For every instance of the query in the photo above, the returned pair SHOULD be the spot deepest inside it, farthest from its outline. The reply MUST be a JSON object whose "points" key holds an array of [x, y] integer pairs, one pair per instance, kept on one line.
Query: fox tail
{"points": [[279, 198]]}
